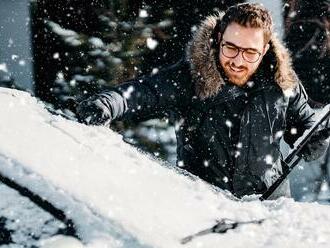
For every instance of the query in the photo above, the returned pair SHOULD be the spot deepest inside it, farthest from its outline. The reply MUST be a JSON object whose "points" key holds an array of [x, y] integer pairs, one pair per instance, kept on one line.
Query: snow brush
{"points": [[295, 155]]}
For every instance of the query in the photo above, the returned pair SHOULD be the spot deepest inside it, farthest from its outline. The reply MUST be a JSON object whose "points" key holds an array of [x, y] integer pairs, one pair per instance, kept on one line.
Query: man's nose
{"points": [[238, 60]]}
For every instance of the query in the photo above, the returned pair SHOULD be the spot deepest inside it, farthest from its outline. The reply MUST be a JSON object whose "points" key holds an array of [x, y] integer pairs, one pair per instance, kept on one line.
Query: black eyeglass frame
{"points": [[238, 51]]}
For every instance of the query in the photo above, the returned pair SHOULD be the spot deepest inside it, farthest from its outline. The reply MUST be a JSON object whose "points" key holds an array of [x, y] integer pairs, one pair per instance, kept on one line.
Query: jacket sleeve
{"points": [[151, 96], [300, 117]]}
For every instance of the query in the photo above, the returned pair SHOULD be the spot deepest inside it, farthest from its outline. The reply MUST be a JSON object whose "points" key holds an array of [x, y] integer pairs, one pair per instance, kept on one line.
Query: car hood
{"points": [[142, 198]]}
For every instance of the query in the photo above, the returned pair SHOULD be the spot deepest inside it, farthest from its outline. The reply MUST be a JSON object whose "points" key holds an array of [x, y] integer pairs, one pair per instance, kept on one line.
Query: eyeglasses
{"points": [[231, 51]]}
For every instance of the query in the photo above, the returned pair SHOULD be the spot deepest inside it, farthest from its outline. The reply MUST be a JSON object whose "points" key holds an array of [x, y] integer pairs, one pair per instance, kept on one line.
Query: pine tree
{"points": [[88, 61]]}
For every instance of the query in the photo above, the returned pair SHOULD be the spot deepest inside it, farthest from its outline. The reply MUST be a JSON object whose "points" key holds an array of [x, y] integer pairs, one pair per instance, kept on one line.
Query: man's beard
{"points": [[237, 78]]}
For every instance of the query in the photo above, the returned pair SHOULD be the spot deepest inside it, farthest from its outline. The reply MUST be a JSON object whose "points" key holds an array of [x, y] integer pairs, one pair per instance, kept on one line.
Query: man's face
{"points": [[238, 69]]}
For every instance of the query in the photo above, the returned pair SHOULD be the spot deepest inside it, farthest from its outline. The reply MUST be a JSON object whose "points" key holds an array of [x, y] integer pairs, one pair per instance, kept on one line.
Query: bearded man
{"points": [[234, 95]]}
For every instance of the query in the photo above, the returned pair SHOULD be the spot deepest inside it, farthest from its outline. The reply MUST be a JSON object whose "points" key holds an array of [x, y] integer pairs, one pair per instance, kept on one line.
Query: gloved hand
{"points": [[94, 111], [319, 142], [317, 145]]}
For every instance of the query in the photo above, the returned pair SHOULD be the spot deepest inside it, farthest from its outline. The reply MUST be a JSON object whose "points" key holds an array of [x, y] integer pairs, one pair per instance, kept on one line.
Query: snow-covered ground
{"points": [[119, 197]]}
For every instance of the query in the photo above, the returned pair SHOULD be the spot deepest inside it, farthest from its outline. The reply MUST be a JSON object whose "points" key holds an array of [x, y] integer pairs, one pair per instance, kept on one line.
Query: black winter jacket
{"points": [[226, 135]]}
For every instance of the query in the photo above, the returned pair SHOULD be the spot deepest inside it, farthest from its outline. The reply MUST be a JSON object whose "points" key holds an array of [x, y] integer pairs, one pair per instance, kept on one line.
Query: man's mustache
{"points": [[237, 67]]}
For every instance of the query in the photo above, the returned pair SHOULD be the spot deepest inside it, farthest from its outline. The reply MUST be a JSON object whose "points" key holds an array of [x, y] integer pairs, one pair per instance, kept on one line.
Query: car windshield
{"points": [[22, 222]]}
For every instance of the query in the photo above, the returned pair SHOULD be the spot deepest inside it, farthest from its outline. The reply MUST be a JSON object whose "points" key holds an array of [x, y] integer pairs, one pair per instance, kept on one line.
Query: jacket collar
{"points": [[208, 78]]}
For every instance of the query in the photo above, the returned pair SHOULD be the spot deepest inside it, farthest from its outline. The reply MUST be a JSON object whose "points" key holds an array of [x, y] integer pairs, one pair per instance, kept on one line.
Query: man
{"points": [[234, 96]]}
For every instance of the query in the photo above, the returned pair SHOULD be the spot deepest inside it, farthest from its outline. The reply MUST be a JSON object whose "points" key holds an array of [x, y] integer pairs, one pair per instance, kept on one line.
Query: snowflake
{"points": [[143, 13], [269, 159], [178, 124], [180, 163], [151, 43], [128, 92], [293, 131], [237, 154], [60, 75], [250, 84], [292, 14], [3, 67], [22, 62], [14, 57], [10, 42], [154, 71], [193, 28], [73, 83], [229, 123]]}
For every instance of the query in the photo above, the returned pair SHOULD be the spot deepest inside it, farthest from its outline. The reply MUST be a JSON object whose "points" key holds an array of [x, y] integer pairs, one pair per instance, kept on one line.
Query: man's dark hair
{"points": [[248, 15]]}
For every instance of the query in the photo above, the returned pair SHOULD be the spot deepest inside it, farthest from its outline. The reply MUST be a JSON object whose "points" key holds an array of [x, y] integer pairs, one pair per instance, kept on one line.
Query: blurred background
{"points": [[63, 51]]}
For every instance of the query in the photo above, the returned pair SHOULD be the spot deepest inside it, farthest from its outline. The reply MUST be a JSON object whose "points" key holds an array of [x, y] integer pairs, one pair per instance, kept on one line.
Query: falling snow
{"points": [[56, 55], [269, 159], [229, 123], [143, 13], [128, 92], [3, 67], [151, 43], [293, 130]]}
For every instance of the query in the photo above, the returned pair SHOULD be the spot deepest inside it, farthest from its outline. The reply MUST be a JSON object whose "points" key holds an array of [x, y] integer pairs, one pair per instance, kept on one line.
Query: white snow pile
{"points": [[139, 202]]}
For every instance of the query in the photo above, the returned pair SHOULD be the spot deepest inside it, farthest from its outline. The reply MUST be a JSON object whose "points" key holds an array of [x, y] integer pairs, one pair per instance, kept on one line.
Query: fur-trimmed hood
{"points": [[201, 55]]}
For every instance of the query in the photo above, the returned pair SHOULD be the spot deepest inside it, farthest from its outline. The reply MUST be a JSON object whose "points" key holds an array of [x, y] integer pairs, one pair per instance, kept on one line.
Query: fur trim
{"points": [[203, 63], [285, 76]]}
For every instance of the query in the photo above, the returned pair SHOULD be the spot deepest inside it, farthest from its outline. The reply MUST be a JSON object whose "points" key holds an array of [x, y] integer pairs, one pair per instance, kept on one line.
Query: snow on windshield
{"points": [[152, 204]]}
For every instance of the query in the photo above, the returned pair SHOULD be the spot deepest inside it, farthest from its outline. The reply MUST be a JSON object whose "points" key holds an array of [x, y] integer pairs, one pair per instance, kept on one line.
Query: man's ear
{"points": [[266, 48]]}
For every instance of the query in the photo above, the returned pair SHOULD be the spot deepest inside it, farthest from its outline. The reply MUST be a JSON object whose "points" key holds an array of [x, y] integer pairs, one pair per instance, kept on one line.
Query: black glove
{"points": [[94, 111], [317, 145]]}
